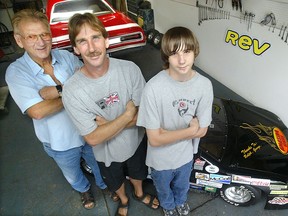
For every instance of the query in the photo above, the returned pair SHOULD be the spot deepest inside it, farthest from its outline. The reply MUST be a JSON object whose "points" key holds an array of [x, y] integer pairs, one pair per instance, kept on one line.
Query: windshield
{"points": [[62, 11], [214, 142]]}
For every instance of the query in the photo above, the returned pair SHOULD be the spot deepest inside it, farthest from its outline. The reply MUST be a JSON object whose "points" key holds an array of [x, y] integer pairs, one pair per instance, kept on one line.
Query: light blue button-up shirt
{"points": [[25, 78]]}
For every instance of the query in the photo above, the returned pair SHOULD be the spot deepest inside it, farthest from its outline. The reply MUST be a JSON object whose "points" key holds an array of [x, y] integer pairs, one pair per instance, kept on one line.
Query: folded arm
{"points": [[49, 92], [45, 108], [50, 105], [106, 130], [159, 137]]}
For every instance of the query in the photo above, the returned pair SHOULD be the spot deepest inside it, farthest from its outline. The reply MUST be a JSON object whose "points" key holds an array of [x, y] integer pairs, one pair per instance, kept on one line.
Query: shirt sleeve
{"points": [[137, 85], [24, 92], [148, 115]]}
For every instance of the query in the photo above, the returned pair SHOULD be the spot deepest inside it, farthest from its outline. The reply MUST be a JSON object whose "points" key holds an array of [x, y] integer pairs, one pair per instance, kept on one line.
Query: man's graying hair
{"points": [[26, 15]]}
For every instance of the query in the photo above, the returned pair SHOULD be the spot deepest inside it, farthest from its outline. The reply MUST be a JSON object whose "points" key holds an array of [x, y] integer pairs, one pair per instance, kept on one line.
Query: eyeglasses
{"points": [[33, 38]]}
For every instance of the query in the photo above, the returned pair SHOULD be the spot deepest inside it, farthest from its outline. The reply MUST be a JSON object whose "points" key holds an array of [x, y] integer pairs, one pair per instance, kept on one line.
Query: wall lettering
{"points": [[245, 42]]}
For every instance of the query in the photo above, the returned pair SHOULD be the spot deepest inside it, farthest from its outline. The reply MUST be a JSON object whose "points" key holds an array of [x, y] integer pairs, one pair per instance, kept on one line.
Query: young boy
{"points": [[176, 110]]}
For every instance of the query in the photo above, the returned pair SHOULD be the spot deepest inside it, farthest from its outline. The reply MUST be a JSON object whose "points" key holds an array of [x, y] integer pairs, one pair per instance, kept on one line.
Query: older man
{"points": [[35, 82]]}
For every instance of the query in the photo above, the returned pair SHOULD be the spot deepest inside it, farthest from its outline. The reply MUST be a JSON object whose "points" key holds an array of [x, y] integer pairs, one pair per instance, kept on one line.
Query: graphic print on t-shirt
{"points": [[182, 105], [108, 101]]}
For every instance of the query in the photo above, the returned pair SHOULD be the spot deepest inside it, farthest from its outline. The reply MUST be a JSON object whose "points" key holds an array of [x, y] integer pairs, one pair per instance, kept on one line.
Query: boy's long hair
{"points": [[176, 39]]}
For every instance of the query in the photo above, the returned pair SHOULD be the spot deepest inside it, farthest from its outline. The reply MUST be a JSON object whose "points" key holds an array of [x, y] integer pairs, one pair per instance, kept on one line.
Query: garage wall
{"points": [[253, 61]]}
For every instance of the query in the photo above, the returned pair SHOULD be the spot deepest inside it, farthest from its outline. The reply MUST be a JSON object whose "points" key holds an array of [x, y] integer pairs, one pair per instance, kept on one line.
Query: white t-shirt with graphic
{"points": [[171, 105], [107, 96]]}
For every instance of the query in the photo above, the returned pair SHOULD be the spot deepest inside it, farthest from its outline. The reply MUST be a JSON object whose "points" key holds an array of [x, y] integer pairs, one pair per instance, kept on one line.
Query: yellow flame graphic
{"points": [[264, 133]]}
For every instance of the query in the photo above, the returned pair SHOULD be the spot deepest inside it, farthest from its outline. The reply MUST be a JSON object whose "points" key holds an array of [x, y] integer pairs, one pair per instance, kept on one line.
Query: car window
{"points": [[62, 11], [214, 142]]}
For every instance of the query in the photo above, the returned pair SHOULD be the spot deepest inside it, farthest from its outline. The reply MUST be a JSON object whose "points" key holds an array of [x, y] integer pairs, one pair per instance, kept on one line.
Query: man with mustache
{"points": [[35, 82], [102, 98]]}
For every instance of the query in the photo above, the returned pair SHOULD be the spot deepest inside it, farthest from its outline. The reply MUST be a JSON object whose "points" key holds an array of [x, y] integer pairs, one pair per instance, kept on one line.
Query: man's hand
{"points": [[49, 92], [131, 110], [194, 125]]}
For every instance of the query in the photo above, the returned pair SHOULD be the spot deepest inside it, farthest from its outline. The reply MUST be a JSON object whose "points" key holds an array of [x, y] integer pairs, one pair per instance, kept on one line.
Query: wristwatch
{"points": [[59, 89]]}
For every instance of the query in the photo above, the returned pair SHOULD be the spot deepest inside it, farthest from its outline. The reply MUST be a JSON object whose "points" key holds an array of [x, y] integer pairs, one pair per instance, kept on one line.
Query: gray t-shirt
{"points": [[107, 96], [171, 105]]}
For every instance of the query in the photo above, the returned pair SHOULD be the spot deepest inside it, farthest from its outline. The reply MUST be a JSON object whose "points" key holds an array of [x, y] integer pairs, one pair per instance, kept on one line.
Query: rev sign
{"points": [[246, 43]]}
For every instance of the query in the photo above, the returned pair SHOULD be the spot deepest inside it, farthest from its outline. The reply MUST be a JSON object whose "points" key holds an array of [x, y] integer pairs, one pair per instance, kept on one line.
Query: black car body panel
{"points": [[246, 145]]}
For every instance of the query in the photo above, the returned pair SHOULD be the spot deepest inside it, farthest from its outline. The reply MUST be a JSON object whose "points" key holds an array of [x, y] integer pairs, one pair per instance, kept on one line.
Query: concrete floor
{"points": [[32, 184]]}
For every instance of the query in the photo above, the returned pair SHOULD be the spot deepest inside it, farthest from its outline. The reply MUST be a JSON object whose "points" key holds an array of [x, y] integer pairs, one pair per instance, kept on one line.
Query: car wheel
{"points": [[151, 34], [85, 167], [240, 195], [157, 40]]}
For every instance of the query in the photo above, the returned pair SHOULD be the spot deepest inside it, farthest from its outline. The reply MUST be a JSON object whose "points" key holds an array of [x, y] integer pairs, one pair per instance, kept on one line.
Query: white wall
{"points": [[260, 79]]}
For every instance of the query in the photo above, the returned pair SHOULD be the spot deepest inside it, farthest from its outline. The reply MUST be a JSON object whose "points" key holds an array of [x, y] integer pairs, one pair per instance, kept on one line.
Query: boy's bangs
{"points": [[180, 45]]}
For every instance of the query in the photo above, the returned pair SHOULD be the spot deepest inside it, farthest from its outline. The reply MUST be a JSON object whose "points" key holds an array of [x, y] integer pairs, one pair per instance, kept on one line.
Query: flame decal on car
{"points": [[271, 135], [281, 141]]}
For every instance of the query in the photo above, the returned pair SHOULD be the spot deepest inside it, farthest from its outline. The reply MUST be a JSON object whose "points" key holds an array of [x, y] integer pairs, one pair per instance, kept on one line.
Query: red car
{"points": [[123, 32]]}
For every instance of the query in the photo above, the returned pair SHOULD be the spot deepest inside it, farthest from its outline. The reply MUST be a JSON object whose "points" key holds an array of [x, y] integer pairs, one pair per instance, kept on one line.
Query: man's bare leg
{"points": [[123, 199], [138, 189]]}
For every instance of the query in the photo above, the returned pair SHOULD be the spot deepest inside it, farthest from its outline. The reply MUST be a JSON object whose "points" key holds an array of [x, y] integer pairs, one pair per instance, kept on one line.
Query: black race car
{"points": [[244, 154]]}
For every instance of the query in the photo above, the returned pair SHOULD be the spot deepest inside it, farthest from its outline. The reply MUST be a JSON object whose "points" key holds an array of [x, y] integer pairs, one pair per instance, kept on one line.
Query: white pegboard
{"points": [[260, 8], [264, 7]]}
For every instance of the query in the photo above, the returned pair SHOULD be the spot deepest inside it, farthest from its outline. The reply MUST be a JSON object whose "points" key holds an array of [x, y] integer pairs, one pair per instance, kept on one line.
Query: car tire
{"points": [[240, 195], [157, 40], [151, 34]]}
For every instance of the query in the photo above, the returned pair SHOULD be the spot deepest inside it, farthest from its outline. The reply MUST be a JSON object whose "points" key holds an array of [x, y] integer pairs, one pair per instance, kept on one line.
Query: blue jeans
{"points": [[69, 163], [172, 185]]}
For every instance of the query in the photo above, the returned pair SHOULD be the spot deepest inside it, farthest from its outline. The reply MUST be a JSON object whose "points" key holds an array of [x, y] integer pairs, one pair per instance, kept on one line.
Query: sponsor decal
{"points": [[210, 189], [278, 201], [203, 176], [224, 179], [283, 192], [281, 140], [195, 186], [277, 187], [241, 179], [199, 164], [212, 169], [208, 183], [216, 108], [260, 182]]}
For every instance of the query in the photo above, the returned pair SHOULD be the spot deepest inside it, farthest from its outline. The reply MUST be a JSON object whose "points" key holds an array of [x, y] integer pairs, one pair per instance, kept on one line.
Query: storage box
{"points": [[146, 19]]}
